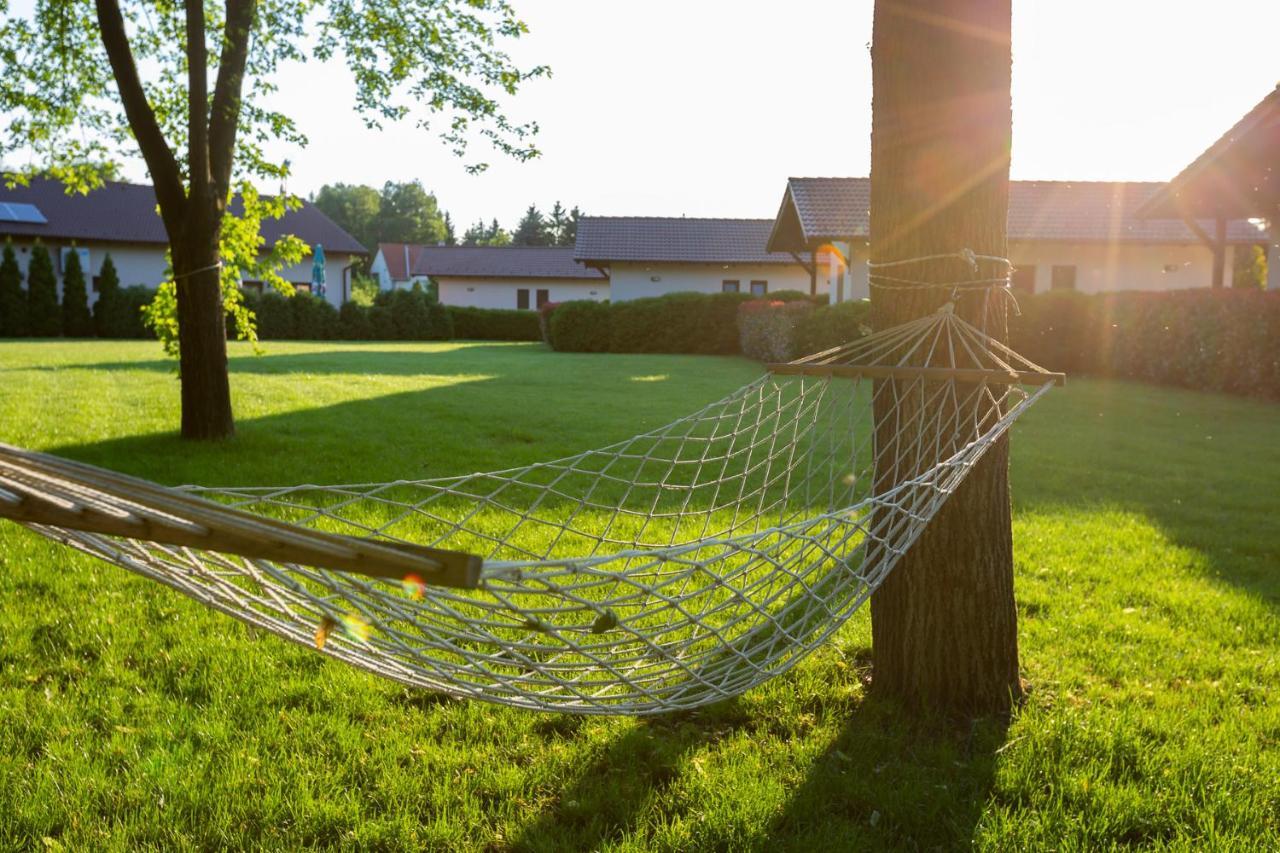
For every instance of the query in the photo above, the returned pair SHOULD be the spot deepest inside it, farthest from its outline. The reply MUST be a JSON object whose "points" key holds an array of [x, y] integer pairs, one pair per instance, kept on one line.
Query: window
{"points": [[97, 284], [759, 288], [302, 286], [251, 286], [1064, 278], [729, 286], [544, 296], [1024, 279], [522, 298]]}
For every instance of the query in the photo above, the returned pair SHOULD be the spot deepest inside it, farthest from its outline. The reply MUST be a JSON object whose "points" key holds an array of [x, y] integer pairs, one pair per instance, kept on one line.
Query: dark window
{"points": [[1064, 278], [1024, 279], [97, 283], [759, 288], [544, 296], [252, 286], [522, 298], [730, 286]]}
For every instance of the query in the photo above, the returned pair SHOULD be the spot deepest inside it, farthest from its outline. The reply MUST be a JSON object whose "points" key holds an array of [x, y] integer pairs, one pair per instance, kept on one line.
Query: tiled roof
{"points": [[1071, 211], [1239, 175], [398, 260], [498, 262], [602, 239], [126, 213]]}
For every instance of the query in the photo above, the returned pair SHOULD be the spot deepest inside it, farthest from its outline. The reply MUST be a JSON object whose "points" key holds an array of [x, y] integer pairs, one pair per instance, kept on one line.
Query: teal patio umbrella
{"points": [[317, 271]]}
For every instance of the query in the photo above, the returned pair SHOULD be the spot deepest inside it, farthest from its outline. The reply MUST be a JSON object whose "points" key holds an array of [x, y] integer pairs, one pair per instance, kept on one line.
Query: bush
{"points": [[44, 318], [580, 326], [828, 326], [767, 329], [127, 320], [314, 319], [77, 322], [106, 309], [494, 324], [353, 322], [13, 302], [409, 315], [544, 319], [697, 323], [1209, 340]]}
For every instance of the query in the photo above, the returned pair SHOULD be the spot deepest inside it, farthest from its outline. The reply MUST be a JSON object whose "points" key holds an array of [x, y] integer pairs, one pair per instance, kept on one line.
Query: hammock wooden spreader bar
{"points": [[36, 488], [938, 374]]}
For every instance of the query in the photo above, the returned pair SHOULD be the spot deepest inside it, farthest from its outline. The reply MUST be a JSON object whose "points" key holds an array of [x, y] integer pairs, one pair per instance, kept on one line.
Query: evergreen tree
{"points": [[569, 235], [557, 222], [532, 230], [76, 320], [44, 319], [450, 236], [13, 302], [107, 309], [497, 235]]}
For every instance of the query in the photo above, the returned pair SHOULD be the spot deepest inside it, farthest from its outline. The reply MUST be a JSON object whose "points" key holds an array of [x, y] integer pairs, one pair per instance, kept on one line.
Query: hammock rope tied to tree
{"points": [[676, 568]]}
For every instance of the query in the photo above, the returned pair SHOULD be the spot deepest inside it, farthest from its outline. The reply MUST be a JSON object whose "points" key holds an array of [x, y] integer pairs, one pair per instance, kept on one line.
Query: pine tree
{"points": [[76, 320], [13, 302], [532, 230], [108, 306], [450, 235], [570, 234], [557, 223], [44, 319]]}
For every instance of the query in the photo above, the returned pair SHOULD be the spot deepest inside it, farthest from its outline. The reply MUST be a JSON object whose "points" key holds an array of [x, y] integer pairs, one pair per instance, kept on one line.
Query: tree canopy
{"points": [[398, 213]]}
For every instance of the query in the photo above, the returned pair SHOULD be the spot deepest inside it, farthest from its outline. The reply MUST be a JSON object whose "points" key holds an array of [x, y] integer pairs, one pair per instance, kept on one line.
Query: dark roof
{"points": [[498, 262], [126, 213], [817, 210], [1239, 175], [603, 239]]}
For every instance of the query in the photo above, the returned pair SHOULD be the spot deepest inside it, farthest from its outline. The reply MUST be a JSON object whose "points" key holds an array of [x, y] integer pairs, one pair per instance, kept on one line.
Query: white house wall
{"points": [[501, 292], [638, 280], [146, 265], [1104, 267]]}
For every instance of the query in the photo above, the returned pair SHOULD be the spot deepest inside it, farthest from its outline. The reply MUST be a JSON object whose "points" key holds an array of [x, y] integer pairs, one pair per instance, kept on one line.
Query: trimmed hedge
{"points": [[767, 329], [580, 326], [494, 324], [830, 326], [697, 323], [1209, 340]]}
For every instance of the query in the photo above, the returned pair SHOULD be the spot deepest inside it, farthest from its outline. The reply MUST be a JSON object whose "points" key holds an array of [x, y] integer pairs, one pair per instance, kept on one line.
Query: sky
{"points": [[705, 107]]}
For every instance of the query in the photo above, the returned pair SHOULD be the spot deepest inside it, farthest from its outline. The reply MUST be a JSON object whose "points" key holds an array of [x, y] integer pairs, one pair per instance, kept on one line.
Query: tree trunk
{"points": [[202, 333], [944, 623]]}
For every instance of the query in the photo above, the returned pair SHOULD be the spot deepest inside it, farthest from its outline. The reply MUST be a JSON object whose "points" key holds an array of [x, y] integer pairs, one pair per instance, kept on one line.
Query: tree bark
{"points": [[944, 623]]}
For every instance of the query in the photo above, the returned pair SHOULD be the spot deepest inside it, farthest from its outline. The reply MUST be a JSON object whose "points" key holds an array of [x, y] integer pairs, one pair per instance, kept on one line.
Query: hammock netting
{"points": [[673, 569]]}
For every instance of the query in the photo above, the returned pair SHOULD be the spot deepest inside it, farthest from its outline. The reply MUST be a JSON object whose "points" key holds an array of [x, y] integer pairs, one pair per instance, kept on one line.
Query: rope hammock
{"points": [[676, 568]]}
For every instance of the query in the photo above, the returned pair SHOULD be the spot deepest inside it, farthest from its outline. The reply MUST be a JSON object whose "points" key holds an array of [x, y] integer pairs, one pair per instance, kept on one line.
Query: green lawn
{"points": [[1147, 533]]}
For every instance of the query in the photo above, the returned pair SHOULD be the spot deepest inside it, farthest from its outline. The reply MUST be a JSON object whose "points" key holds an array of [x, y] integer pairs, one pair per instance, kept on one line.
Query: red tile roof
{"points": [[126, 213], [604, 239], [1068, 211]]}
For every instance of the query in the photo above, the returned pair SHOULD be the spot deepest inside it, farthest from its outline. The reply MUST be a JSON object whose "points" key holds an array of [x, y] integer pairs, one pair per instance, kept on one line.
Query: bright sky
{"points": [[705, 107]]}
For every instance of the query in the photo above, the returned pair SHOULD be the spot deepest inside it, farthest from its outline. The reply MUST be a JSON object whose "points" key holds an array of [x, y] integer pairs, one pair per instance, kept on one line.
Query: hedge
{"points": [[1209, 340], [781, 331], [494, 324], [580, 326]]}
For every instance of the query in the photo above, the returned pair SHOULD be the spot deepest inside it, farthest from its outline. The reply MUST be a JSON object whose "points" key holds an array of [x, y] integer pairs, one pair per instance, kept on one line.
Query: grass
{"points": [[1147, 536]]}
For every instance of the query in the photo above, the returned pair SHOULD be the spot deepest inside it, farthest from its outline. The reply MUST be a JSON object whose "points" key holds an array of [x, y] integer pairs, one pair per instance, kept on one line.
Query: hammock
{"points": [[676, 568]]}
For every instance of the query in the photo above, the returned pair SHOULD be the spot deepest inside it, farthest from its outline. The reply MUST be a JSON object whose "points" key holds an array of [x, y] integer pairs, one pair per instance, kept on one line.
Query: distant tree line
{"points": [[34, 310], [407, 213]]}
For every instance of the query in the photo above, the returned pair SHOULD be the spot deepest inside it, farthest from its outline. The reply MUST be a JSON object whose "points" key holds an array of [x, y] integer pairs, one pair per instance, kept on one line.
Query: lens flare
{"points": [[414, 587]]}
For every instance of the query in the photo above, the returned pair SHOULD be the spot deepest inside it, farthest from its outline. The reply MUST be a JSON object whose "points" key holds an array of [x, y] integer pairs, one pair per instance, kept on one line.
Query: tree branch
{"points": [[165, 174], [226, 94], [197, 103]]}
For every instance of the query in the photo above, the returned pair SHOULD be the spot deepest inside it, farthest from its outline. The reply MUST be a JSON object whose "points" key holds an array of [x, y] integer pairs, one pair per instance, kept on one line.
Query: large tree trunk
{"points": [[944, 624], [202, 335]]}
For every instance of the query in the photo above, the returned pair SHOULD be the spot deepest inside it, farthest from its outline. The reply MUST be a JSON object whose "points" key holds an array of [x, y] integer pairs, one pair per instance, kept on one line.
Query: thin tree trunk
{"points": [[202, 337], [944, 623]]}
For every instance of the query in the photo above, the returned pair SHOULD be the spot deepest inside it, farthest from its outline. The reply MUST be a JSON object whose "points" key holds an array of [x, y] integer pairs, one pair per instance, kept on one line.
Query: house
{"points": [[522, 277], [1063, 235], [121, 219], [652, 255], [392, 265], [1235, 177]]}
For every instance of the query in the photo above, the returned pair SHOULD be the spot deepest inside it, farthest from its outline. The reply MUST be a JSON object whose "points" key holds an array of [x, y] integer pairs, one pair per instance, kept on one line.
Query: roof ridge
{"points": [[687, 218]]}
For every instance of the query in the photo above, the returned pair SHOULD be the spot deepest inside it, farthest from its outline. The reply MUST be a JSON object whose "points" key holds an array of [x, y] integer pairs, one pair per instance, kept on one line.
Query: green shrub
{"points": [[828, 326], [44, 318], [767, 328], [353, 322], [314, 319], [698, 323], [409, 315], [580, 326], [106, 309], [77, 322], [13, 302], [494, 324], [544, 319], [128, 314], [1209, 340]]}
